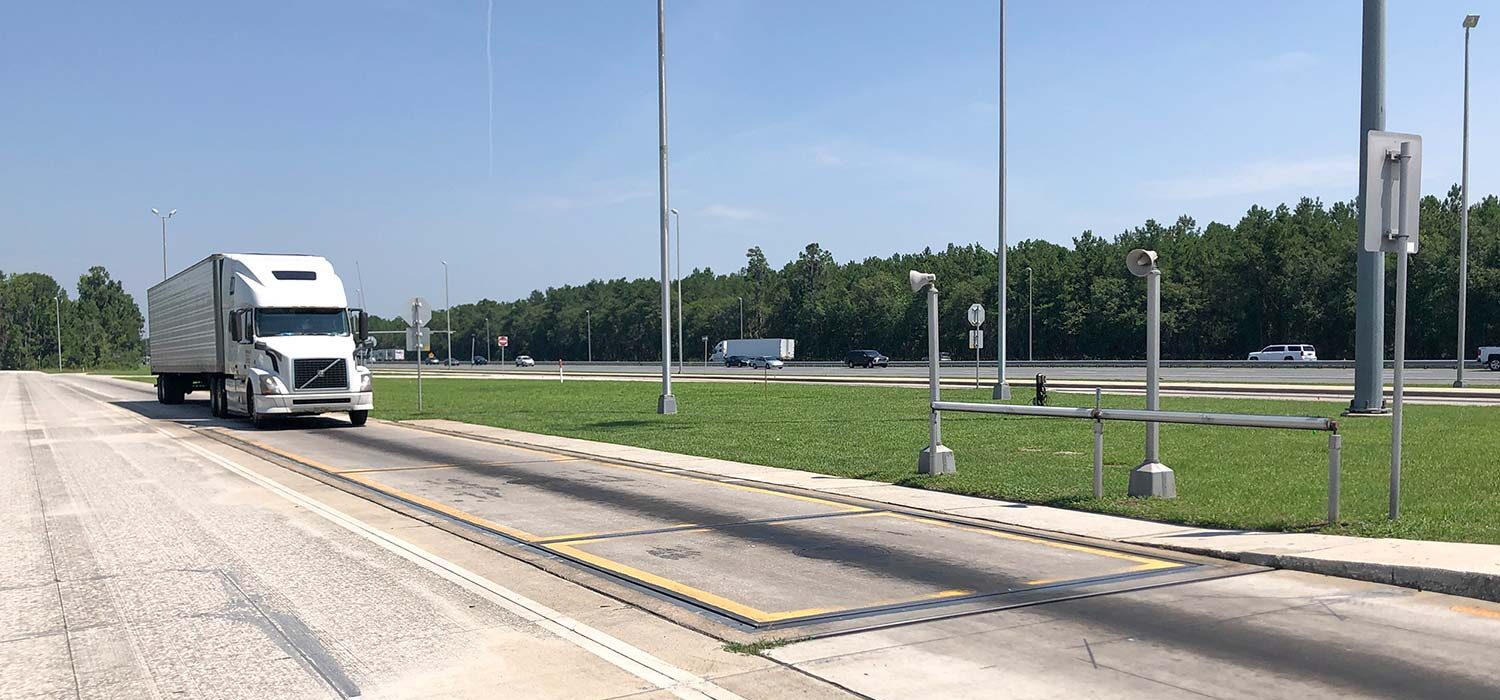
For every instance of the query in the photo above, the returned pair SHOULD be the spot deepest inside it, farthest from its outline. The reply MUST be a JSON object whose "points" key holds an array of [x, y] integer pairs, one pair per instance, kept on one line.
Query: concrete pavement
{"points": [[138, 559], [1255, 633]]}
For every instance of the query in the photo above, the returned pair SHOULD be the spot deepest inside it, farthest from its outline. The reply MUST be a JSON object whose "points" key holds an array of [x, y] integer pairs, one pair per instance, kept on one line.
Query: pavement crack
{"points": [[1092, 661]]}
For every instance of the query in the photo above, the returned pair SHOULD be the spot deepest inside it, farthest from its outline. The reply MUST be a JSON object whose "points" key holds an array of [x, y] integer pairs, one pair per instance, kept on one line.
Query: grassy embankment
{"points": [[1226, 477]]}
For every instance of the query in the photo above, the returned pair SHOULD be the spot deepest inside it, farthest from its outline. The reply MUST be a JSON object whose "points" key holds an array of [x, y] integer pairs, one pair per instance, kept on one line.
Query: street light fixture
{"points": [[681, 348], [163, 218], [1470, 22], [742, 317]]}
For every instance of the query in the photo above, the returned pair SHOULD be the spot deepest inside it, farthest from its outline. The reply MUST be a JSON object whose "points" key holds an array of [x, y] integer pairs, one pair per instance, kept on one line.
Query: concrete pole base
{"points": [[1153, 480], [1002, 391], [1460, 385], [940, 463], [666, 405]]}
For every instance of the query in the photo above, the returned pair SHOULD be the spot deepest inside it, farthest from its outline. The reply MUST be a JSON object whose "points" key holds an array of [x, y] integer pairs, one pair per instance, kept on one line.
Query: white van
{"points": [[1286, 353]]}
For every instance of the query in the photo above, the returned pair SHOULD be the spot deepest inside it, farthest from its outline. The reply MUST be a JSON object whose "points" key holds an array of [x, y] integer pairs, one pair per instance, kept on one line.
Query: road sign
{"points": [[416, 338], [1393, 186], [976, 316], [976, 339], [503, 341], [419, 311]]}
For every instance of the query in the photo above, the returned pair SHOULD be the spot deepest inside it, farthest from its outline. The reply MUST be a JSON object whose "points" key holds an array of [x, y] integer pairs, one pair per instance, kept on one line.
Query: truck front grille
{"points": [[305, 374]]}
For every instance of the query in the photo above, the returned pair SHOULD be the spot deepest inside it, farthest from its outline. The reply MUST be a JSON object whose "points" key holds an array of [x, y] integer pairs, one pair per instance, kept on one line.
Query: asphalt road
{"points": [[1025, 374], [143, 555]]}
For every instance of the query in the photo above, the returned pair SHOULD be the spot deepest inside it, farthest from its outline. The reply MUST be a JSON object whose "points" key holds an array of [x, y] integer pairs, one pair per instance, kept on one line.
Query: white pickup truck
{"points": [[264, 335], [1489, 356]]}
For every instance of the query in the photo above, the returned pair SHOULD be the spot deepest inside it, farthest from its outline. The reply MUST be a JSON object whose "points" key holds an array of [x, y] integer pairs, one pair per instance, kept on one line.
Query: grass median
{"points": [[1226, 477]]}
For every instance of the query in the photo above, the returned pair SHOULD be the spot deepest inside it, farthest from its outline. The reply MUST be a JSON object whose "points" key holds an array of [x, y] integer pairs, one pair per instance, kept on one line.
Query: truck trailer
{"points": [[264, 335], [779, 348]]}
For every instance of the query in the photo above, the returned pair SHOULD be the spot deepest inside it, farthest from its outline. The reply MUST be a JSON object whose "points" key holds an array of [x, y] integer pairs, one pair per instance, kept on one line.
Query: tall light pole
{"points": [[1369, 304], [448, 312], [1029, 290], [666, 404], [681, 348], [742, 317], [1002, 390], [588, 324], [163, 218], [487, 341], [1470, 22], [57, 305]]}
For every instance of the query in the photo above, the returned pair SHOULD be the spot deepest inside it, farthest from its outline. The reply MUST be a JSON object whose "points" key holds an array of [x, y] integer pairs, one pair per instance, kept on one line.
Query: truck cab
{"points": [[278, 338]]}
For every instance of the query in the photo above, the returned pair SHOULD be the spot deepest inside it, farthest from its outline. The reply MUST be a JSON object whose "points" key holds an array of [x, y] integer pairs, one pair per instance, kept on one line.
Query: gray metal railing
{"points": [[1099, 415]]}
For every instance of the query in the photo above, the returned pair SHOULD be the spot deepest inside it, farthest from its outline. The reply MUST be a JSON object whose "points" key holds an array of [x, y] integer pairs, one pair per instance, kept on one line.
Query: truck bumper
{"points": [[296, 404]]}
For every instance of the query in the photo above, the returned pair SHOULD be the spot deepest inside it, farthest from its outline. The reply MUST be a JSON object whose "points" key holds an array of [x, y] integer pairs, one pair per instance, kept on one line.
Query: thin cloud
{"points": [[723, 211], [1288, 62], [824, 155], [589, 201], [1256, 178]]}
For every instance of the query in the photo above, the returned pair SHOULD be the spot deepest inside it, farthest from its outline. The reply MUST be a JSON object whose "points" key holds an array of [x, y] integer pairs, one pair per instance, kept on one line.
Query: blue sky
{"points": [[360, 130]]}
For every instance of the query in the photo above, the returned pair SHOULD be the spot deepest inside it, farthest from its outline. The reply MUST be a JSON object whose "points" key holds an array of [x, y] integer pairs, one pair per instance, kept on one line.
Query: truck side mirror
{"points": [[363, 321]]}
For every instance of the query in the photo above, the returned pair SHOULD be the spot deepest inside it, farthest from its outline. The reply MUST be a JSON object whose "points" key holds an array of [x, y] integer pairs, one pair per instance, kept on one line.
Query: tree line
{"points": [[1279, 275], [100, 326]]}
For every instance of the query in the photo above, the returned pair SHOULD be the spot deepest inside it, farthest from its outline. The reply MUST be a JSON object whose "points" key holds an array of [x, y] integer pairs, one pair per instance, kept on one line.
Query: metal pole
{"points": [[1397, 379], [742, 318], [1153, 363], [1335, 460], [936, 459], [1029, 329], [487, 337], [681, 346], [666, 404], [1369, 312], [1002, 390], [415, 311], [1098, 446], [163, 246], [1463, 229], [588, 320], [448, 313], [58, 313]]}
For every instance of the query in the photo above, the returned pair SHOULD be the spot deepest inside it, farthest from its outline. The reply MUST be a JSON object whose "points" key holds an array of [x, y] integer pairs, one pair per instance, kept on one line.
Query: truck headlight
{"points": [[364, 380], [271, 384]]}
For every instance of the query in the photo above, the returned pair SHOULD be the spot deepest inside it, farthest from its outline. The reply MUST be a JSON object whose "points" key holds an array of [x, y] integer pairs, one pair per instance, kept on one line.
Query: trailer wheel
{"points": [[169, 389], [358, 418]]}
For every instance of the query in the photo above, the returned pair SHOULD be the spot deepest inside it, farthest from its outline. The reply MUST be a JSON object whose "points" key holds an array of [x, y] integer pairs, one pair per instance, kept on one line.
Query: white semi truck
{"points": [[779, 348], [264, 335]]}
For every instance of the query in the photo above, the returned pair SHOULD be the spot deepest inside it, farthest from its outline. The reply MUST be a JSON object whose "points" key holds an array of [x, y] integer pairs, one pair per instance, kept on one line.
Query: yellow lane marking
{"points": [[282, 453], [442, 508], [592, 536], [1476, 611], [746, 611], [417, 467], [1143, 563]]}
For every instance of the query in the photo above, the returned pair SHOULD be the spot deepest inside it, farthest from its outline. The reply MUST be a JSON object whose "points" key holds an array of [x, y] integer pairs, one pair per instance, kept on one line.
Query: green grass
{"points": [[757, 648], [1226, 477]]}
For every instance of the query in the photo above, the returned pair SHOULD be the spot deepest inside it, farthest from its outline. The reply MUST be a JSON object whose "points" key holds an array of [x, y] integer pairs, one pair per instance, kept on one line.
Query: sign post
{"points": [[976, 336], [1393, 186], [502, 341], [421, 313]]}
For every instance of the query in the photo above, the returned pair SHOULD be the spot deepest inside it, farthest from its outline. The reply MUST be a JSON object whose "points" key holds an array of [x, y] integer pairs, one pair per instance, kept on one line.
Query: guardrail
{"points": [[1098, 415]]}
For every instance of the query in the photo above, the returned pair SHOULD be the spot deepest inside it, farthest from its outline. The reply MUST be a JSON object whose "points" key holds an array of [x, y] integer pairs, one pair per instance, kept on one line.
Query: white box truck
{"points": [[779, 348], [264, 335]]}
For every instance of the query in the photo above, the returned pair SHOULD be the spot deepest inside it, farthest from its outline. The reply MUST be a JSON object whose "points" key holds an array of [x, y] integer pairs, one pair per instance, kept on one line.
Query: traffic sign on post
{"points": [[1393, 181], [416, 338], [421, 311], [976, 339], [502, 341], [976, 315]]}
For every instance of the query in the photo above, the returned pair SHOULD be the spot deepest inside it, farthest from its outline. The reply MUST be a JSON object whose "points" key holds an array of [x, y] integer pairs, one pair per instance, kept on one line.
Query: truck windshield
{"points": [[271, 322]]}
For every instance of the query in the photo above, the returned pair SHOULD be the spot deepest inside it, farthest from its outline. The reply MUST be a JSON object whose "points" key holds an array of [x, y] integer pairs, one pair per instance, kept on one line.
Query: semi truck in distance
{"points": [[778, 348], [264, 335]]}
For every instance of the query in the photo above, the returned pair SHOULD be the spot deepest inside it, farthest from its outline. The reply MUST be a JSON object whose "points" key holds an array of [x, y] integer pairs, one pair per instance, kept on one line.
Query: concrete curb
{"points": [[1461, 569]]}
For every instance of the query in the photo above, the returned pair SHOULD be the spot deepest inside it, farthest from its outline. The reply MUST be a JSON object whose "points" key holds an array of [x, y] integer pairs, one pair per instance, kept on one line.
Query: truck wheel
{"points": [[216, 396], [256, 420], [161, 389], [1494, 364], [169, 389], [358, 418]]}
